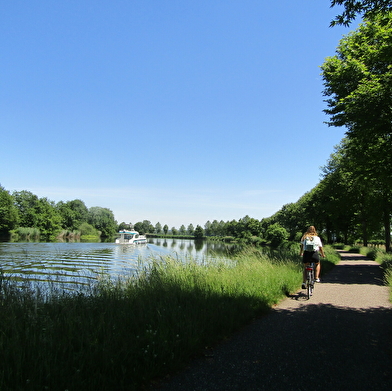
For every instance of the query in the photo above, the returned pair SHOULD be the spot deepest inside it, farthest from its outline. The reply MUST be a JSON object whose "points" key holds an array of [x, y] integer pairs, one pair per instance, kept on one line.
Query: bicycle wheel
{"points": [[309, 284]]}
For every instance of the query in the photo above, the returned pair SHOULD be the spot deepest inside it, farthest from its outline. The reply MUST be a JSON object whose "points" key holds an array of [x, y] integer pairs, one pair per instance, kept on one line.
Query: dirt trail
{"points": [[339, 339]]}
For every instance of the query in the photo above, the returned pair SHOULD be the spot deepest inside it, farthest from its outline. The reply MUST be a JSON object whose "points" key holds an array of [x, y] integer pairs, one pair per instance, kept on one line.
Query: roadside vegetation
{"points": [[378, 254], [123, 334]]}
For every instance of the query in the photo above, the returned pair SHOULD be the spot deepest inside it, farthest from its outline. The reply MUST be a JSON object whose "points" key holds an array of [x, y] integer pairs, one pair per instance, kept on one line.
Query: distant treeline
{"points": [[28, 217]]}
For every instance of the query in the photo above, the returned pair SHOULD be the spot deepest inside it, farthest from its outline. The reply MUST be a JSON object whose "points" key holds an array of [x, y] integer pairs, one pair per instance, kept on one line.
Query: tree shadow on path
{"points": [[315, 347]]}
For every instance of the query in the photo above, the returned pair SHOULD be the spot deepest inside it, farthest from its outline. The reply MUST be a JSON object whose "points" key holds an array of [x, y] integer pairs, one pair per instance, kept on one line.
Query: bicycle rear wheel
{"points": [[309, 285]]}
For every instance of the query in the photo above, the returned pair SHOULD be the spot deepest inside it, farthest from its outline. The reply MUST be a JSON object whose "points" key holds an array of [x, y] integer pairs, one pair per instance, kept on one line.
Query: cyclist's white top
{"points": [[317, 243]]}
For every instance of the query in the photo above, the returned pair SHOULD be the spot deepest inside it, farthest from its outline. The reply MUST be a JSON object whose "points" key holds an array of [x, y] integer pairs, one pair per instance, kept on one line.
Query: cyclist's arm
{"points": [[321, 250], [302, 249]]}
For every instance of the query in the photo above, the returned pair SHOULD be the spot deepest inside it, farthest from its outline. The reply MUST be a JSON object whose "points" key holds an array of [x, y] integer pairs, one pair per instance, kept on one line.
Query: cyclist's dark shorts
{"points": [[311, 256]]}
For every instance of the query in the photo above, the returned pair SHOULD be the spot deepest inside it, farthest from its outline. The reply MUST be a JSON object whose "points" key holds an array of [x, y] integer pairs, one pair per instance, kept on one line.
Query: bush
{"points": [[88, 232], [276, 234]]}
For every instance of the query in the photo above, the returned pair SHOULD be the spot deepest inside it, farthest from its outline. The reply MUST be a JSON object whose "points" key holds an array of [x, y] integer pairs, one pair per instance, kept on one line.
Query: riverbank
{"points": [[122, 335]]}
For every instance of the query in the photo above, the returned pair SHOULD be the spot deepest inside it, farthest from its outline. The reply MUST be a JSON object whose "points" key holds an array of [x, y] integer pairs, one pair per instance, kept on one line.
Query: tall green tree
{"points": [[39, 213], [144, 227], [207, 228], [26, 203], [8, 212], [358, 80], [358, 87], [103, 220], [158, 228], [73, 213], [198, 234], [48, 218], [276, 234], [191, 229], [124, 226]]}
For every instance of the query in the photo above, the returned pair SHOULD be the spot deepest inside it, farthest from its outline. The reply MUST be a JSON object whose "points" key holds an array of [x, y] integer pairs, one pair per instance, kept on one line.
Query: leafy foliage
{"points": [[103, 220], [8, 213], [352, 8], [276, 234], [358, 84]]}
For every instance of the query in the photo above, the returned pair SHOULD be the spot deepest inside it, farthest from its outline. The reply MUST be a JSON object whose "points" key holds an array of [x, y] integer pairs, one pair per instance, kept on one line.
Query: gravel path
{"points": [[339, 339]]}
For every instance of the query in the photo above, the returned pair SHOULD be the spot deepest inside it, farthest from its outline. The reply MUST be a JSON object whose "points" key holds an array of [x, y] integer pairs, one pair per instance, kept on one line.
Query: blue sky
{"points": [[175, 111]]}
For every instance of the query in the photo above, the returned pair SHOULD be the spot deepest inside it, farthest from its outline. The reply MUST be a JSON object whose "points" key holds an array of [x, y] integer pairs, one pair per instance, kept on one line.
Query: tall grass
{"points": [[124, 333], [23, 233], [379, 255]]}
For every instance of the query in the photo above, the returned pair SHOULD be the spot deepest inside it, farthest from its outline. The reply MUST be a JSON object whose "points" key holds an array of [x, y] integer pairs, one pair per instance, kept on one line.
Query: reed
{"points": [[23, 233], [122, 334]]}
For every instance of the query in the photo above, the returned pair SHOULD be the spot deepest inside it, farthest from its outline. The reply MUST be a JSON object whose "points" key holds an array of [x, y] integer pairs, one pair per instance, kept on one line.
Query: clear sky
{"points": [[173, 111]]}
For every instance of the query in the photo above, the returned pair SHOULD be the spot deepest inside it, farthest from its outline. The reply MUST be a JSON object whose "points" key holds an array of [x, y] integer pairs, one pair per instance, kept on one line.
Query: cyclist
{"points": [[311, 254]]}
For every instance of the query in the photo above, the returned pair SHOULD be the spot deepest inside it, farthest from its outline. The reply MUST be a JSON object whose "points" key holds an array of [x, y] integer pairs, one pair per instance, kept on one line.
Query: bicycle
{"points": [[309, 279]]}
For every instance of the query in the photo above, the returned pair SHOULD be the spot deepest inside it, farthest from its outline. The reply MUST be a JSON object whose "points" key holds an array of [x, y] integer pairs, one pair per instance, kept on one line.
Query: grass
{"points": [[379, 255], [123, 334], [23, 233]]}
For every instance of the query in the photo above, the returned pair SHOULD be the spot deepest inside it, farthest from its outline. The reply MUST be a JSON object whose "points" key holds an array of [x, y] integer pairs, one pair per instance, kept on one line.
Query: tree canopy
{"points": [[354, 8], [358, 87]]}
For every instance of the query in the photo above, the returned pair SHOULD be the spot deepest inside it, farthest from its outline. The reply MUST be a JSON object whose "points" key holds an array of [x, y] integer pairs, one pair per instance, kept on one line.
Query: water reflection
{"points": [[75, 264]]}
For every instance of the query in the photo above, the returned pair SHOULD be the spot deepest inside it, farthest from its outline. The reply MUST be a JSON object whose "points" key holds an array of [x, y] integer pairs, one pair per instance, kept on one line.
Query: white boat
{"points": [[130, 237]]}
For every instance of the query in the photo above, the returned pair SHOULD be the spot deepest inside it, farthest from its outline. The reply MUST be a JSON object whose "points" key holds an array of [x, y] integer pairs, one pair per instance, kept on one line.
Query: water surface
{"points": [[76, 264]]}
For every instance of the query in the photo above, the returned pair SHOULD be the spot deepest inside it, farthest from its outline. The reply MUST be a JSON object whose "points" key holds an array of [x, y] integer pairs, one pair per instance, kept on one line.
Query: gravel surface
{"points": [[339, 339]]}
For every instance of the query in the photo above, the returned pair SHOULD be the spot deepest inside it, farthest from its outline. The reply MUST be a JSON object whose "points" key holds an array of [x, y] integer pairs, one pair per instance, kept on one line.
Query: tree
{"points": [[88, 230], [353, 8], [147, 226], [276, 234], [254, 227], [190, 229], [124, 226], [351, 198], [198, 234], [358, 84], [165, 229], [39, 213], [73, 214], [215, 228], [182, 230], [26, 204], [358, 80], [8, 212], [103, 220], [207, 228], [139, 228], [158, 228], [48, 218]]}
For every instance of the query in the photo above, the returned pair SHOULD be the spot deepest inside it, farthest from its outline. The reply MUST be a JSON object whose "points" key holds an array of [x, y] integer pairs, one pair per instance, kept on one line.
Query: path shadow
{"points": [[315, 347], [355, 274]]}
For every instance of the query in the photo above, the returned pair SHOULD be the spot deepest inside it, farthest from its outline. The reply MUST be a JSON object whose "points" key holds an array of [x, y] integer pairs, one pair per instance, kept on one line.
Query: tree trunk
{"points": [[364, 233], [387, 228]]}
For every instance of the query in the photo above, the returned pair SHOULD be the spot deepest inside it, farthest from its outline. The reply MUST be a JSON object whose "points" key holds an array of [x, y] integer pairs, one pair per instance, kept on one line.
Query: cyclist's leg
{"points": [[317, 270], [309, 284], [305, 262]]}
